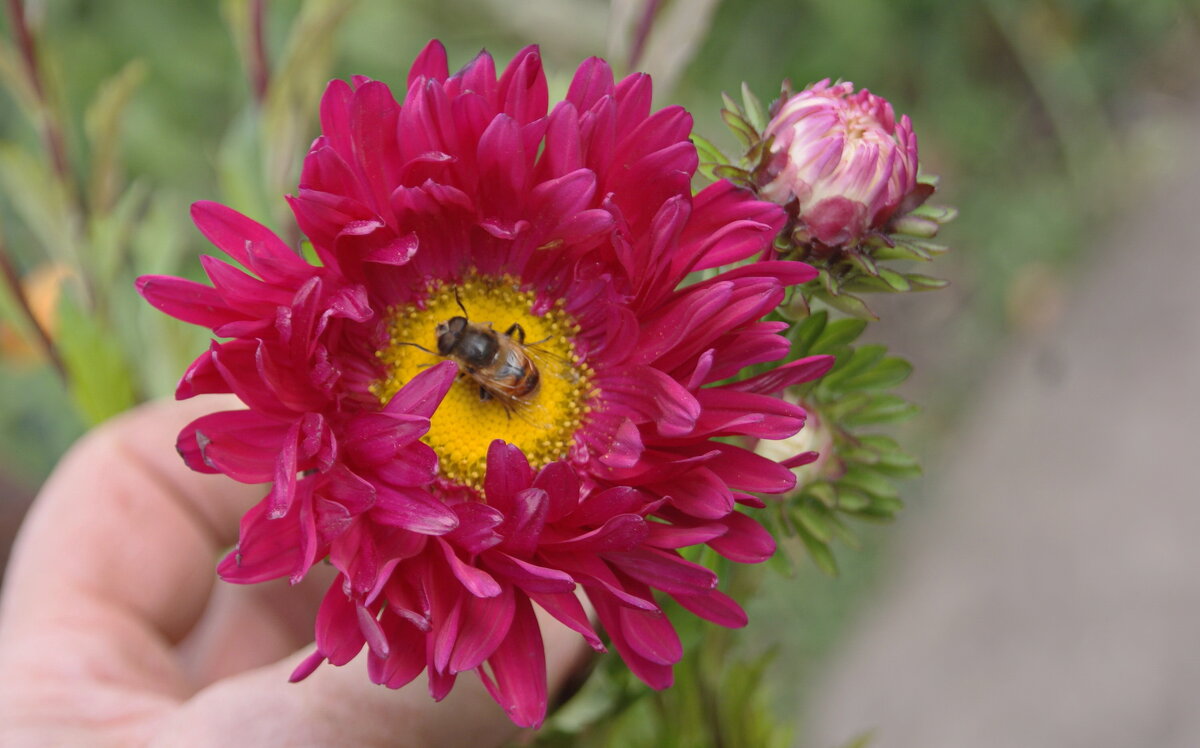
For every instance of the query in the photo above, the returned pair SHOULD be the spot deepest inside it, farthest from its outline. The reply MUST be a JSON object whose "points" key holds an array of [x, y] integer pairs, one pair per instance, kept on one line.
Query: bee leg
{"points": [[484, 395], [516, 331]]}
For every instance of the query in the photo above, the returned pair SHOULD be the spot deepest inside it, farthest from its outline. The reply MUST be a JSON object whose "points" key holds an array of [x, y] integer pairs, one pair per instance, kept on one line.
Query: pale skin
{"points": [[114, 630]]}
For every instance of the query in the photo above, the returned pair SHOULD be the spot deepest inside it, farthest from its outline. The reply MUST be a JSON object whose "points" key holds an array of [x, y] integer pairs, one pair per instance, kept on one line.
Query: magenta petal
{"points": [[741, 468], [529, 576], [477, 523], [653, 674], [518, 678], [242, 444], [561, 484], [306, 667], [626, 446], [374, 438], [266, 549], [237, 235], [430, 63], [508, 473], [415, 465], [791, 373], [664, 570], [735, 412], [424, 392], [681, 536], [599, 507], [567, 610], [715, 606], [651, 635], [413, 509], [592, 81], [339, 637], [522, 90], [371, 631], [279, 500], [701, 493], [804, 458], [406, 655], [187, 300], [485, 623], [477, 581], [617, 533], [598, 579], [526, 519], [746, 541]]}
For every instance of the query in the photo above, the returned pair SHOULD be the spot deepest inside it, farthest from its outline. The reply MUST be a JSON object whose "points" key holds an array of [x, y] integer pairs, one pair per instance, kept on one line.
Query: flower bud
{"points": [[842, 156], [810, 453]]}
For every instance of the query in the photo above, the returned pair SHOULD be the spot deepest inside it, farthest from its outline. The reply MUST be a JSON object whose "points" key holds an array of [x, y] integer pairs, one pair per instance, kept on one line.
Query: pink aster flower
{"points": [[495, 388], [843, 157]]}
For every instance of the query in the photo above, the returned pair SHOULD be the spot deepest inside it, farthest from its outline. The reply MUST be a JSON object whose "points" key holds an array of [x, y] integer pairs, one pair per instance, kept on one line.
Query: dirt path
{"points": [[1047, 594]]}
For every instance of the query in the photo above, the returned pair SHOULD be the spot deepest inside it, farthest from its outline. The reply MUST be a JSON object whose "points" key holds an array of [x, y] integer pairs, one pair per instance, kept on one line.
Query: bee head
{"points": [[449, 333]]}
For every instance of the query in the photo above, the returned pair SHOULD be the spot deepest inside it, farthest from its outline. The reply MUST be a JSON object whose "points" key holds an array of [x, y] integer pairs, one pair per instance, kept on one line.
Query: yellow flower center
{"points": [[494, 396]]}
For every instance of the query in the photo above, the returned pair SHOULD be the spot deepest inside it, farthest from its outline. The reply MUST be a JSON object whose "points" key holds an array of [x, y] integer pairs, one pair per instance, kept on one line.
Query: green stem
{"points": [[13, 280]]}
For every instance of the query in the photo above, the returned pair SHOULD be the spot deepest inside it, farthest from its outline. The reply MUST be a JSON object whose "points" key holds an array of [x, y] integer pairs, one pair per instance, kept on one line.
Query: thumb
{"points": [[341, 706]]}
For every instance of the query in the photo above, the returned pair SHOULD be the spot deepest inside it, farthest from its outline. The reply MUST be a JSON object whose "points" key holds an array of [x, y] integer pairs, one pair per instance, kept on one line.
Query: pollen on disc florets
{"points": [[542, 424]]}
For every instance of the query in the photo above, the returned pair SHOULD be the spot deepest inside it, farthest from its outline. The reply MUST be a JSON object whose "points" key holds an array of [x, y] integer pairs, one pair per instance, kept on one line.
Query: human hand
{"points": [[114, 632]]}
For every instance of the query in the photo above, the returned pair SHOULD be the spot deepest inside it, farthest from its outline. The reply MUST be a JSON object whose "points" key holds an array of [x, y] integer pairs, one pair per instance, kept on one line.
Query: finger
{"points": [[340, 706], [246, 627], [117, 554]]}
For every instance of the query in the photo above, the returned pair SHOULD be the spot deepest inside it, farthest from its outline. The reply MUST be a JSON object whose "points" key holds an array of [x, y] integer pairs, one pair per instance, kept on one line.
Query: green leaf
{"points": [[925, 283], [842, 532], [924, 245], [863, 262], [111, 233], [304, 68], [901, 251], [899, 472], [41, 202], [100, 381], [809, 517], [867, 284], [102, 123], [886, 506], [849, 365], [744, 131], [938, 213], [881, 409], [883, 375], [240, 179], [707, 152], [822, 491], [894, 279], [754, 108], [819, 552], [851, 305], [805, 334], [837, 334], [879, 442], [914, 225], [870, 482], [896, 458], [860, 455], [852, 501]]}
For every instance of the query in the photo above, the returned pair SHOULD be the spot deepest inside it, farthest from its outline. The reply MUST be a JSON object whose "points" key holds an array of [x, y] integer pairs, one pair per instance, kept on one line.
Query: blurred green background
{"points": [[1044, 119]]}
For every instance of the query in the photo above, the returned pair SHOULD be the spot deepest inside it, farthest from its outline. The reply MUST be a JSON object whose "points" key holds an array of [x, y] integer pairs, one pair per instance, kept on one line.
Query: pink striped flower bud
{"points": [[842, 157]]}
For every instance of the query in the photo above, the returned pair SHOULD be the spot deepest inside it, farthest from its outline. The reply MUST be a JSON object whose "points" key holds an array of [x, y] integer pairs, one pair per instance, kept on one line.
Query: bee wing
{"points": [[531, 413], [551, 363]]}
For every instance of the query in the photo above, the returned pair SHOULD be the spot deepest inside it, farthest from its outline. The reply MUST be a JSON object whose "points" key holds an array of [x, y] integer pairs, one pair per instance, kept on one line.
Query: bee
{"points": [[498, 362], [502, 364]]}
